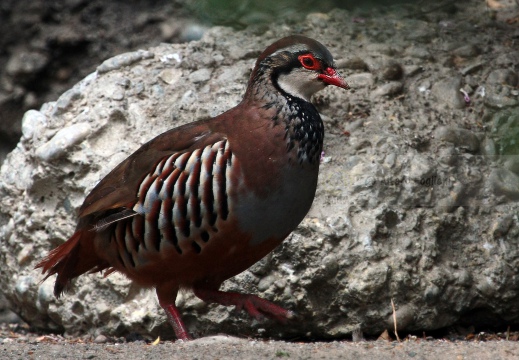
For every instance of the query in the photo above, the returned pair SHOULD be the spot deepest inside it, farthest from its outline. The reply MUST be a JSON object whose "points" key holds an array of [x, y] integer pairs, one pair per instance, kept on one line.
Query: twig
{"points": [[394, 320]]}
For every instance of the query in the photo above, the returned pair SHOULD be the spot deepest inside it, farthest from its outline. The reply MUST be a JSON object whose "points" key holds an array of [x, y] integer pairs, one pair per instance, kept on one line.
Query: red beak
{"points": [[332, 77]]}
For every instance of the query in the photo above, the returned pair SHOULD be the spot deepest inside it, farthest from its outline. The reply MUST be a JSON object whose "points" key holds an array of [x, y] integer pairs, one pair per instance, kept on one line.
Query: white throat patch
{"points": [[300, 83]]}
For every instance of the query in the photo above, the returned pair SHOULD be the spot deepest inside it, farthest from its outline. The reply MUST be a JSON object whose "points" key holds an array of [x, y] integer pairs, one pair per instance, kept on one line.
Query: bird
{"points": [[202, 202]]}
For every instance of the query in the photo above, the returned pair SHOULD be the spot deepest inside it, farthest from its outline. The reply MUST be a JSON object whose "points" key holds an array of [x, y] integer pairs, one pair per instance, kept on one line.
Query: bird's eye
{"points": [[309, 62]]}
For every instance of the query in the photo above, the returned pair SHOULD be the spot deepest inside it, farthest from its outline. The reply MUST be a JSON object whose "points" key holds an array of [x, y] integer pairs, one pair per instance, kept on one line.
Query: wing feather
{"points": [[119, 189]]}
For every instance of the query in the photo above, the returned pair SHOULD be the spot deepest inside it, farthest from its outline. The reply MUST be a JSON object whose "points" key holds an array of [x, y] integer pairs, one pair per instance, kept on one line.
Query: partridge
{"points": [[202, 202]]}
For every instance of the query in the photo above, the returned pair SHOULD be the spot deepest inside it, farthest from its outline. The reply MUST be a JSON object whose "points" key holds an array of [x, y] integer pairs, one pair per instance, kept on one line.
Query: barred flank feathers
{"points": [[69, 260]]}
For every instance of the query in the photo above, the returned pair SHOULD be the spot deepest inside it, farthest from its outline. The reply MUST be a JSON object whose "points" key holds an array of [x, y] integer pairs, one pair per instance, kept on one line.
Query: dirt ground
{"points": [[17, 343]]}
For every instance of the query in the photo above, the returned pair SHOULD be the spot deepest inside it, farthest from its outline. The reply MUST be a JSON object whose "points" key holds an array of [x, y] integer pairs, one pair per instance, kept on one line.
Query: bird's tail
{"points": [[74, 257]]}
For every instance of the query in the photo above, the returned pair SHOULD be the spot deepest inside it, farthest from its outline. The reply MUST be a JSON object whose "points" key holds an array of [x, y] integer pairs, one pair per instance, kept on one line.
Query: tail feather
{"points": [[74, 257]]}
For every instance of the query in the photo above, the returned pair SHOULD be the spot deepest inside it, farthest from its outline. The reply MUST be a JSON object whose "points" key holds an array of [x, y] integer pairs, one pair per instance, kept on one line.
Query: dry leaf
{"points": [[156, 342]]}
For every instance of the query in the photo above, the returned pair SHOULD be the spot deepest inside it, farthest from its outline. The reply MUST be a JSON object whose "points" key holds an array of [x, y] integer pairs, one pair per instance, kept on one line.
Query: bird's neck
{"points": [[303, 125]]}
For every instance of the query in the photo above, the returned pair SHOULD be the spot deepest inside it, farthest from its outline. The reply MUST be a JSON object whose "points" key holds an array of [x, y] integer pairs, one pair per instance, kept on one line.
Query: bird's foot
{"points": [[176, 322], [257, 307]]}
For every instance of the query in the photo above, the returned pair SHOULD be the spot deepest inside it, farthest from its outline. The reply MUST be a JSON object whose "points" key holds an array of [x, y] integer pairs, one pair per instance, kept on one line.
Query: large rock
{"points": [[399, 215]]}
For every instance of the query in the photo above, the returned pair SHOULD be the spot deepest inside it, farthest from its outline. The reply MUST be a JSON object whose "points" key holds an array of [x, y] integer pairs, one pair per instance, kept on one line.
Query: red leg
{"points": [[176, 322], [254, 305], [167, 294]]}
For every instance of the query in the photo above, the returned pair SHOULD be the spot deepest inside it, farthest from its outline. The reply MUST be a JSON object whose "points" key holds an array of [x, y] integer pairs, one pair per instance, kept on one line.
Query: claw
{"points": [[257, 307]]}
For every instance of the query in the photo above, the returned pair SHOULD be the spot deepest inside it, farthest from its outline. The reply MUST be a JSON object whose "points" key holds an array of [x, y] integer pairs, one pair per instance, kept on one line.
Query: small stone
{"points": [[488, 147], [459, 137], [193, 32], [123, 60], [24, 255], [447, 155], [62, 141], [502, 225], [504, 182], [511, 163], [431, 293], [170, 76], [360, 80], [45, 295], [266, 282], [421, 168], [418, 52], [412, 70], [467, 51], [389, 89], [23, 285], [100, 339], [118, 95], [452, 201], [500, 101], [447, 92], [503, 77], [318, 19], [381, 49], [354, 63], [201, 75], [340, 225], [26, 63], [410, 124], [66, 100], [392, 71], [472, 67], [33, 122]]}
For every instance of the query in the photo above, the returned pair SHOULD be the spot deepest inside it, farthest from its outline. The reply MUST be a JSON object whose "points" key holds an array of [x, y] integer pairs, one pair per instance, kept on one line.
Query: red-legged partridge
{"points": [[201, 203]]}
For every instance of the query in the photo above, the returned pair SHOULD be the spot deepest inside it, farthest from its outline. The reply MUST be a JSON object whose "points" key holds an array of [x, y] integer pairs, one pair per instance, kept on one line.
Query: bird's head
{"points": [[297, 66]]}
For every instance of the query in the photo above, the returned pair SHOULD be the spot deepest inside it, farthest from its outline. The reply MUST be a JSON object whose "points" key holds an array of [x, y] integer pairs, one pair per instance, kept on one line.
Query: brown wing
{"points": [[119, 188]]}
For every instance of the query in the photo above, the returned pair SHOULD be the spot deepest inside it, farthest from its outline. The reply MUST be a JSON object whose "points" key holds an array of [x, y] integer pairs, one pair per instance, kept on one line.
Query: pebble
{"points": [[431, 293], [392, 71], [382, 49], [66, 100], [488, 147], [354, 63], [26, 63], [504, 182], [421, 168], [467, 51], [193, 32], [201, 75], [418, 52], [511, 163], [45, 295], [117, 95], [500, 101], [412, 70], [452, 201], [389, 89], [122, 60], [502, 225], [23, 285], [503, 77], [100, 339], [360, 80], [62, 141], [33, 122], [459, 137], [266, 282], [447, 92], [472, 67], [170, 76]]}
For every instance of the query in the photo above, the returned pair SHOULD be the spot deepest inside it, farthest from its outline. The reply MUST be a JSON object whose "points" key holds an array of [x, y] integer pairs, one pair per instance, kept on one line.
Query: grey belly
{"points": [[281, 211]]}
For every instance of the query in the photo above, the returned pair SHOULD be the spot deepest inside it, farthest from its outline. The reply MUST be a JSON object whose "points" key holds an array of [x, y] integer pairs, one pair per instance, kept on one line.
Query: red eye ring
{"points": [[309, 62]]}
